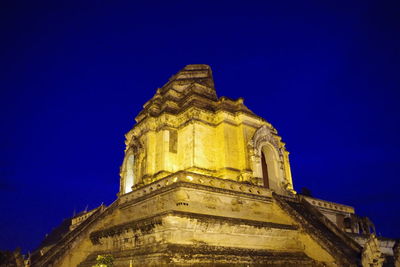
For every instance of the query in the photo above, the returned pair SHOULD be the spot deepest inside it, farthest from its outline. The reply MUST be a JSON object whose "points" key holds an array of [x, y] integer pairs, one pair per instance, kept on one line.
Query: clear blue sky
{"points": [[74, 75]]}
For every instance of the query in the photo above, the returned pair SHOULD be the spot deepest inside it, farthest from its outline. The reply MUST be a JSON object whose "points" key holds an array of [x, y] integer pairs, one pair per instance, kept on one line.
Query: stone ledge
{"points": [[328, 205], [194, 180], [203, 255], [148, 224]]}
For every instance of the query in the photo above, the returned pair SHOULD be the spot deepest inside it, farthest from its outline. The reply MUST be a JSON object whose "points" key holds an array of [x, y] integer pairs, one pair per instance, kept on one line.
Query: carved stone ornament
{"points": [[264, 135], [261, 137], [371, 255], [211, 202], [244, 177], [135, 144], [237, 204]]}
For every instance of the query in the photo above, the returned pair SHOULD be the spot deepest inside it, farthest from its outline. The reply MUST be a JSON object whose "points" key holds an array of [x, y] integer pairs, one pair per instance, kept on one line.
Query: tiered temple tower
{"points": [[207, 182], [186, 127]]}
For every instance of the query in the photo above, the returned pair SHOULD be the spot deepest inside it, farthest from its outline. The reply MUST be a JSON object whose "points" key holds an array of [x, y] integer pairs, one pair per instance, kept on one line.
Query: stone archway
{"points": [[268, 160], [128, 173], [269, 165], [130, 169]]}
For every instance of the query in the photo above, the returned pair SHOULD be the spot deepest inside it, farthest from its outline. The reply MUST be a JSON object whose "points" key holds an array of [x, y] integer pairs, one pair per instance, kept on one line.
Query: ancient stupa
{"points": [[207, 182]]}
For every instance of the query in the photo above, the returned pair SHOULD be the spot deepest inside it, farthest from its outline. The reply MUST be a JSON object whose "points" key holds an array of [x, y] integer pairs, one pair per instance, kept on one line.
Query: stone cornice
{"points": [[328, 205], [198, 181], [146, 224], [193, 113], [233, 255]]}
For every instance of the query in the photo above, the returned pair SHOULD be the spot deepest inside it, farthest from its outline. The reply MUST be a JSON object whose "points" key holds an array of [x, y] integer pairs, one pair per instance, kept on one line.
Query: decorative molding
{"points": [[265, 135], [149, 223], [194, 180], [371, 254]]}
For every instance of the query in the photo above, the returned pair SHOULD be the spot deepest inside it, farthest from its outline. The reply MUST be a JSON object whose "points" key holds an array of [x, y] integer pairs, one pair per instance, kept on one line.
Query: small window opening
{"points": [[347, 223]]}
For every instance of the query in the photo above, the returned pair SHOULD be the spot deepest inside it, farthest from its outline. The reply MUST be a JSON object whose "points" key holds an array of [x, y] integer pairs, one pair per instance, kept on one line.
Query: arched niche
{"points": [[266, 155], [269, 167], [128, 173]]}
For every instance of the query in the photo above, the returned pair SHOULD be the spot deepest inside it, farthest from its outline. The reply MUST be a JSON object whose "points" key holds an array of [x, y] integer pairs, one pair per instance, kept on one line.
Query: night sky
{"points": [[73, 76]]}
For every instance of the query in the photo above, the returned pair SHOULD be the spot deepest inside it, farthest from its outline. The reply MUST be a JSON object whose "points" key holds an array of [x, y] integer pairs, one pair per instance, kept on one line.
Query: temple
{"points": [[206, 182]]}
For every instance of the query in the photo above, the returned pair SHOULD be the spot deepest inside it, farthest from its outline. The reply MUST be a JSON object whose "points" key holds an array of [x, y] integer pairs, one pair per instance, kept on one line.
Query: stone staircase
{"points": [[347, 251]]}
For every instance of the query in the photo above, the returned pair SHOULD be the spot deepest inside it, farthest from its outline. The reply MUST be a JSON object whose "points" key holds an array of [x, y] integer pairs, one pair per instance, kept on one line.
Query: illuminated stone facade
{"points": [[186, 127], [207, 182]]}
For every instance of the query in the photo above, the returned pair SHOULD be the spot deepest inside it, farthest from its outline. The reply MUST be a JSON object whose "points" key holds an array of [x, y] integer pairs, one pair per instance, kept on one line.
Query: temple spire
{"points": [[197, 76], [195, 73], [192, 86]]}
